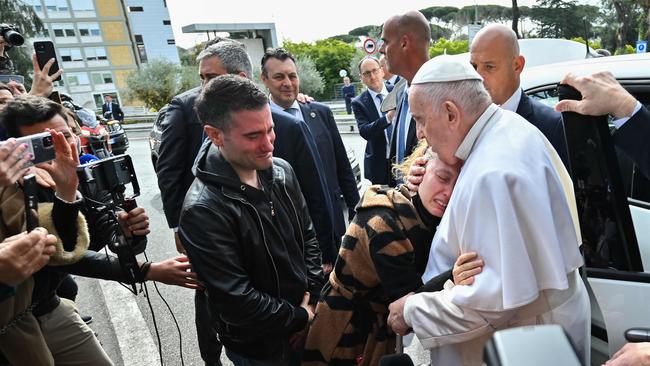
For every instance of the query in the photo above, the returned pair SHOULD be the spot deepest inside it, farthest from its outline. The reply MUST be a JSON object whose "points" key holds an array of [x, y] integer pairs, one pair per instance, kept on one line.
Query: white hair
{"points": [[469, 95]]}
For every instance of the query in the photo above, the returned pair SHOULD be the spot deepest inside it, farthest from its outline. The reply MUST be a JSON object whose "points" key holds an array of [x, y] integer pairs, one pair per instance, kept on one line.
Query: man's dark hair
{"points": [[224, 95], [28, 110], [277, 53]]}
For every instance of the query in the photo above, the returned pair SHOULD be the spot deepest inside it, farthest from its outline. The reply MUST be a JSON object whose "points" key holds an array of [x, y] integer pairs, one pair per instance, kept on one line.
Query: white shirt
{"points": [[373, 95], [513, 102], [621, 121]]}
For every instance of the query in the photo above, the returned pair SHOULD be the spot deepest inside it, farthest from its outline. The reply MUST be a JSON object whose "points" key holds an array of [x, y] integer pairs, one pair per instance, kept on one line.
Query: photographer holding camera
{"points": [[67, 338]]}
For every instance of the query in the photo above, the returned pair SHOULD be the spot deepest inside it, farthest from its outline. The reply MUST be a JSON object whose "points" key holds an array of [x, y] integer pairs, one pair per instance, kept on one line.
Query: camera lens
{"points": [[14, 38], [47, 141]]}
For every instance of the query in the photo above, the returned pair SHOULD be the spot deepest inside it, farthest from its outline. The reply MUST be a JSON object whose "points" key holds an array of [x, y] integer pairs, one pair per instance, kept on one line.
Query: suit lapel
{"points": [[525, 107], [370, 105]]}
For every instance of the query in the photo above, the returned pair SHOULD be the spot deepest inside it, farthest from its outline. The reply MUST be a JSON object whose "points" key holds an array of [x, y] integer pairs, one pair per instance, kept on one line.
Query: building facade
{"points": [[97, 45]]}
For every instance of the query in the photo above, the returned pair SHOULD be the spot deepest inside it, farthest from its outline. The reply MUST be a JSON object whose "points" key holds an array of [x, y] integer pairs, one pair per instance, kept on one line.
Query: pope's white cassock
{"points": [[514, 205]]}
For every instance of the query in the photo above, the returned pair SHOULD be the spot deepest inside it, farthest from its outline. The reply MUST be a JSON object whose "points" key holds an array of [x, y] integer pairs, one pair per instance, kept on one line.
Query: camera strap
{"points": [[17, 318]]}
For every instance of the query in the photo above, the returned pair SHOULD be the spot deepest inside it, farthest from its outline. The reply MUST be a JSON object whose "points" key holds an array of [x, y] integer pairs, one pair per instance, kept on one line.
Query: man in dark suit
{"points": [[602, 94], [405, 43], [374, 126], [112, 110], [495, 55], [389, 79], [279, 74], [348, 92]]}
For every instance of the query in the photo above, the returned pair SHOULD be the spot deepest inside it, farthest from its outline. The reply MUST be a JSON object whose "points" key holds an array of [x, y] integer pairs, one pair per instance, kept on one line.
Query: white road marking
{"points": [[135, 342]]}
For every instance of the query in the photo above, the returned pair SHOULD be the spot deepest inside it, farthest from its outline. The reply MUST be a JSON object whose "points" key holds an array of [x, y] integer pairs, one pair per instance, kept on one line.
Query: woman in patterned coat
{"points": [[382, 257]]}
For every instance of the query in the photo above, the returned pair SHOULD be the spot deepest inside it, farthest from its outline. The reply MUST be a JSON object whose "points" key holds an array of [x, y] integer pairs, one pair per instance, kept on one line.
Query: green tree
{"points": [[21, 15], [329, 55], [345, 38], [366, 30], [311, 82], [354, 65], [564, 19], [443, 46], [158, 81], [515, 18]]}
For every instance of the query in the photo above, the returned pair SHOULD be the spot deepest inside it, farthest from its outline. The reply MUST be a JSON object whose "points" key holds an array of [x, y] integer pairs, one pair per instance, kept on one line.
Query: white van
{"points": [[618, 252], [543, 51]]}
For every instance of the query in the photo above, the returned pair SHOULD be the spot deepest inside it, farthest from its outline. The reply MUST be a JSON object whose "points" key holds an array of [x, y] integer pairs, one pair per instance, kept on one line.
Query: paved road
{"points": [[124, 322]]}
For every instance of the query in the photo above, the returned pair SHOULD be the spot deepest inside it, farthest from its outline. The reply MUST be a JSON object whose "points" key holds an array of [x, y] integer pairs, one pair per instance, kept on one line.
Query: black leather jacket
{"points": [[226, 228]]}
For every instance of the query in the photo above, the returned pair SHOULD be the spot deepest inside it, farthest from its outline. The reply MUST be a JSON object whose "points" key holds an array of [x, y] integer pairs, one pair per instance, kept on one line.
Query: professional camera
{"points": [[10, 34], [107, 178]]}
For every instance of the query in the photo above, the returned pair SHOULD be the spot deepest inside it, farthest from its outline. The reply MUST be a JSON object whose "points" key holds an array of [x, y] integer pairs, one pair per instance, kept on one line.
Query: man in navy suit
{"points": [[405, 43], [112, 110], [602, 94], [374, 126], [495, 55], [280, 75], [348, 92]]}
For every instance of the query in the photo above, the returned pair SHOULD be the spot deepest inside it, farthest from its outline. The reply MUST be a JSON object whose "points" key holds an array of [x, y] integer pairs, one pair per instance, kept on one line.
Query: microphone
{"points": [[87, 158]]}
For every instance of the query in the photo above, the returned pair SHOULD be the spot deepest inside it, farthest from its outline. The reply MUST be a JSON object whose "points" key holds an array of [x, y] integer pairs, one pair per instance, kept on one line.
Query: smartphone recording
{"points": [[40, 145]]}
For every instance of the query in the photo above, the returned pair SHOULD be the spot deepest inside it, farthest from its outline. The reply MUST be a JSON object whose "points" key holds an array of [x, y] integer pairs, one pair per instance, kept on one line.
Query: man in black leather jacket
{"points": [[247, 230]]}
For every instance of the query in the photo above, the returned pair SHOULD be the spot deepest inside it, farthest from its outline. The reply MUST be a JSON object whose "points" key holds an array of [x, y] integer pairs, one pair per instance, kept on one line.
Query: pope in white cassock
{"points": [[513, 204]]}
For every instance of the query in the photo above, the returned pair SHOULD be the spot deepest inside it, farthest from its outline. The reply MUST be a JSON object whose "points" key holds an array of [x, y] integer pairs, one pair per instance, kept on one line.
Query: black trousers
{"points": [[209, 344]]}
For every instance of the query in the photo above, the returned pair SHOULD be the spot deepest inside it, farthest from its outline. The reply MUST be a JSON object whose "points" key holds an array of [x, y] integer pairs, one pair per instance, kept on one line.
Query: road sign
{"points": [[369, 45], [641, 46], [343, 73]]}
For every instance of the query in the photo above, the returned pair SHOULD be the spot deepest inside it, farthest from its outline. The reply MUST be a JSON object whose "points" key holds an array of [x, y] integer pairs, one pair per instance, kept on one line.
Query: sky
{"points": [[311, 20]]}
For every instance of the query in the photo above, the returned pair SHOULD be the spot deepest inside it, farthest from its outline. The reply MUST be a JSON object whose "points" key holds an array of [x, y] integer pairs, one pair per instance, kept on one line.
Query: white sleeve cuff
{"points": [[77, 198], [621, 121]]}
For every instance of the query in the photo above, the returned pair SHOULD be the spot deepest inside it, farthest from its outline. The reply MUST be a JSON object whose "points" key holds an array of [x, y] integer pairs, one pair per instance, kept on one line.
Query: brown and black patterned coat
{"points": [[382, 257]]}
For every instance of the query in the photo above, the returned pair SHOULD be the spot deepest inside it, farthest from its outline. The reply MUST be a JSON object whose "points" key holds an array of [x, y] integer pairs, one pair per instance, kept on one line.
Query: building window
{"points": [[142, 52], [63, 30], [82, 5], [56, 5], [167, 22], [88, 29], [104, 77], [95, 53], [36, 5], [171, 41], [78, 79], [70, 54], [134, 9]]}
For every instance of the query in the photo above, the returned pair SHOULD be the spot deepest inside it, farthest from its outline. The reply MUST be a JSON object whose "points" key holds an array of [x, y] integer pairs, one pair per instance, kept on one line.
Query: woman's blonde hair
{"points": [[400, 171]]}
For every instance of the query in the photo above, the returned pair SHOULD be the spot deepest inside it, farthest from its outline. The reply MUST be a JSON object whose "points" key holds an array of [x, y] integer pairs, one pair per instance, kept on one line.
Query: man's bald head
{"points": [[497, 35], [494, 53], [405, 42], [414, 24]]}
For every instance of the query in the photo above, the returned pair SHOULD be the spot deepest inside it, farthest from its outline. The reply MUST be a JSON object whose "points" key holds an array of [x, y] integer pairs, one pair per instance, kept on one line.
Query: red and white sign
{"points": [[369, 45]]}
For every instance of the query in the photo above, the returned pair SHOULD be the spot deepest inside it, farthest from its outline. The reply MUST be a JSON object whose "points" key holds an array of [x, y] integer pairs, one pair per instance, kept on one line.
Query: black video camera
{"points": [[11, 35], [109, 177]]}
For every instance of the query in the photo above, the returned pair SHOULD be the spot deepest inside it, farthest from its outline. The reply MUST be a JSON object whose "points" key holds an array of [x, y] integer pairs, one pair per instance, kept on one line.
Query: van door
{"points": [[613, 199]]}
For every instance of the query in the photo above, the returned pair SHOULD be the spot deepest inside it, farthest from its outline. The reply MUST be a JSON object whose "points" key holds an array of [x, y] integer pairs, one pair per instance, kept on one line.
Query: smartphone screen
{"points": [[44, 52]]}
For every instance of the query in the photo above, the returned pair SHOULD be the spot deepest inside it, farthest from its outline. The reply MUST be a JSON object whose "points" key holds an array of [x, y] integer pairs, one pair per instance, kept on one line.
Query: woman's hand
{"points": [[466, 267], [13, 161], [174, 271]]}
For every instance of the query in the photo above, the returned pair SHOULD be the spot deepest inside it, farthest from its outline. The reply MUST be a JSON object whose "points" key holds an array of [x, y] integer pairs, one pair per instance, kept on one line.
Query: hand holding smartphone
{"points": [[44, 53], [40, 146]]}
